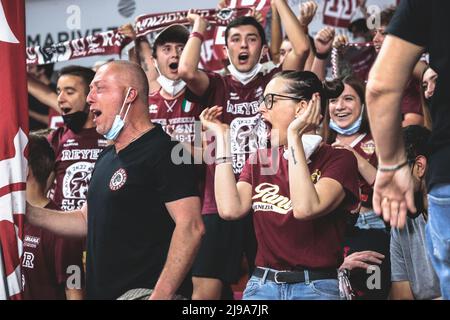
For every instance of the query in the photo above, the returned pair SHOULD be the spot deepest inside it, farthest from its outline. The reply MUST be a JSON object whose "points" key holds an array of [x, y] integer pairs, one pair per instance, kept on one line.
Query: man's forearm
{"points": [[66, 224], [387, 80], [144, 52], [387, 129], [43, 93], [182, 252], [42, 118], [190, 56]]}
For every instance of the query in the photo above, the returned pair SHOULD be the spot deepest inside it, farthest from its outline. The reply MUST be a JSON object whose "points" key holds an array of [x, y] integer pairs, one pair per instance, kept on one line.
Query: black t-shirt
{"points": [[425, 23], [129, 227]]}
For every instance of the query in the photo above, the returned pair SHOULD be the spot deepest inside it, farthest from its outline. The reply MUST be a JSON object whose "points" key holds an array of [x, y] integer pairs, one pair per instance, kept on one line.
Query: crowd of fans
{"points": [[275, 198]]}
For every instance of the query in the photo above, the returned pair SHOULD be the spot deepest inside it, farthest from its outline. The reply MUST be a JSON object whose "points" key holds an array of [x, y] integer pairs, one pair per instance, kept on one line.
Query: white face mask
{"points": [[310, 144], [244, 77], [118, 123], [172, 87]]}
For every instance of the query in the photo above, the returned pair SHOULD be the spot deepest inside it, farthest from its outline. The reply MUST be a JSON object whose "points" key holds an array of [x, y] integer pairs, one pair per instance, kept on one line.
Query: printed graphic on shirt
{"points": [[316, 176], [28, 260], [118, 179], [368, 147], [181, 129], [270, 200], [247, 136], [31, 241], [75, 184], [176, 116], [153, 108]]}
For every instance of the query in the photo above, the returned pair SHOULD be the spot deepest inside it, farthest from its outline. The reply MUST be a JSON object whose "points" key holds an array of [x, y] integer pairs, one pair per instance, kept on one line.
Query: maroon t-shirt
{"points": [[45, 262], [366, 149], [411, 102], [76, 154], [285, 243], [241, 112], [176, 116]]}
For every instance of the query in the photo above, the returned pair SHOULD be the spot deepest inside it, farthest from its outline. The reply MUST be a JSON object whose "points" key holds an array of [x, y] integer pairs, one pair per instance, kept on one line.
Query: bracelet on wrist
{"points": [[196, 34], [392, 168], [223, 160], [322, 56]]}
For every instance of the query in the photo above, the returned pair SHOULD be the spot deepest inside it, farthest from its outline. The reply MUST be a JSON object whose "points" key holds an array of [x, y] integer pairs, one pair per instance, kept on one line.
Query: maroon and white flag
{"points": [[339, 13], [13, 140]]}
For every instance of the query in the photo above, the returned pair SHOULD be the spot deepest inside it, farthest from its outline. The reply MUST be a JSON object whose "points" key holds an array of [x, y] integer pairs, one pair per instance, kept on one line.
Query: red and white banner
{"points": [[105, 43], [339, 13], [13, 140]]}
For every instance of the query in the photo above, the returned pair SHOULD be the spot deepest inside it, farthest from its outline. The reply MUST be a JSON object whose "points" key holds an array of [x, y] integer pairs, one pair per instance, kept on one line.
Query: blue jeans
{"points": [[370, 220], [262, 289], [438, 234]]}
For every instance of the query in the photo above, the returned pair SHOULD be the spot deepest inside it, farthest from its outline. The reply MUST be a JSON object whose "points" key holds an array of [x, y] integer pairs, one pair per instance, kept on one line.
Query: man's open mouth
{"points": [[65, 110], [173, 66], [96, 113], [243, 57]]}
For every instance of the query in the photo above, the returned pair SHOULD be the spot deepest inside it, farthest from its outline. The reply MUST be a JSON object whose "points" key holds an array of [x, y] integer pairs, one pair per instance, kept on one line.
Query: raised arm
{"points": [[183, 248], [309, 200], [42, 118], [196, 80], [323, 42], [142, 55], [295, 60], [393, 192], [307, 13], [233, 200], [276, 34], [43, 93], [66, 224]]}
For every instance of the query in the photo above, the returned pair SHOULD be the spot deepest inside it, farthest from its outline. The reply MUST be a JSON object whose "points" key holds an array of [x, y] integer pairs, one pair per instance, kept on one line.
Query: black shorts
{"points": [[223, 246]]}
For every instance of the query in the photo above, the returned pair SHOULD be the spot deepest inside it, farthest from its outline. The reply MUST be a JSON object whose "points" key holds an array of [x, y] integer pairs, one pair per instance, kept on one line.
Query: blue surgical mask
{"points": [[352, 129], [118, 123]]}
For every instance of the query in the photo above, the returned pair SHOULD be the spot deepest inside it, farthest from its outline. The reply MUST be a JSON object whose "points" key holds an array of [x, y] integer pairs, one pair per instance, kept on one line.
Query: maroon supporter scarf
{"points": [[335, 56], [105, 43], [157, 21], [111, 42]]}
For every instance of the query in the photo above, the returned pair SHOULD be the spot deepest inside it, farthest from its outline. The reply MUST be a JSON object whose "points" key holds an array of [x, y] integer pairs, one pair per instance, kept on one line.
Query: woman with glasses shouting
{"points": [[301, 191]]}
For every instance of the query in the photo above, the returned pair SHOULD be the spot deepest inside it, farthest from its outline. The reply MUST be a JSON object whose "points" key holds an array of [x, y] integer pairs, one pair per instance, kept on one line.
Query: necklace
{"points": [[140, 135]]}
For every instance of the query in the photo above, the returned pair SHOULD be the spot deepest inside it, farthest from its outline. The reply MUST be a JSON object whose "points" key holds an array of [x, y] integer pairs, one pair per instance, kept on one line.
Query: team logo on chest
{"points": [[368, 147], [118, 179]]}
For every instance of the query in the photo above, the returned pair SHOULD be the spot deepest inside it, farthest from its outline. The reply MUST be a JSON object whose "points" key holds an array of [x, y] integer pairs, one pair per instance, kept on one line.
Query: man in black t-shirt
{"points": [[417, 26], [143, 224]]}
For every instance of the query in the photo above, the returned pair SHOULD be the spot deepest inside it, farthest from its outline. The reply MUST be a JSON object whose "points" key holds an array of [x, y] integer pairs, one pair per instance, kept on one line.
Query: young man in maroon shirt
{"points": [[167, 103], [77, 144]]}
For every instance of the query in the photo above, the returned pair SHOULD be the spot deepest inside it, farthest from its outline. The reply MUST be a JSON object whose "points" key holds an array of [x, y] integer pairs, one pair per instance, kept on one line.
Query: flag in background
{"points": [[13, 140]]}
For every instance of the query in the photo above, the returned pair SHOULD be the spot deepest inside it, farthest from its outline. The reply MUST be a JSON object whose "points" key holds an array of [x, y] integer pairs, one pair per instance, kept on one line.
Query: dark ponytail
{"points": [[305, 84]]}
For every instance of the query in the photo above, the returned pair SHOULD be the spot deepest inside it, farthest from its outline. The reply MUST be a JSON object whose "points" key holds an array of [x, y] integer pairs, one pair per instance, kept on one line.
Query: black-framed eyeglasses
{"points": [[269, 99]]}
